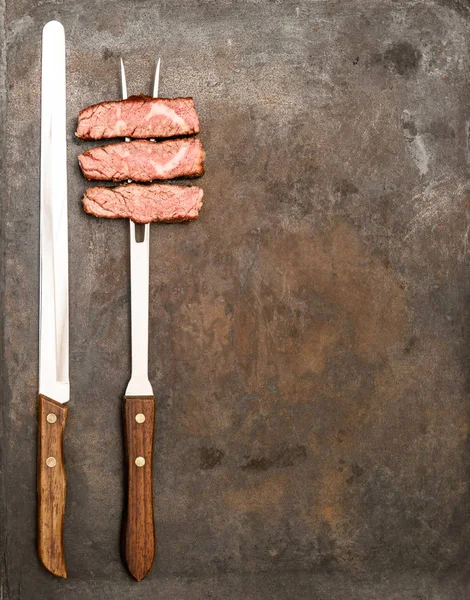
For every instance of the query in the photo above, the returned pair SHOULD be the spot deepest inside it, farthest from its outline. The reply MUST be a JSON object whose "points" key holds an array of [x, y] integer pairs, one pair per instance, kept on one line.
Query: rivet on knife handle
{"points": [[51, 485], [138, 527]]}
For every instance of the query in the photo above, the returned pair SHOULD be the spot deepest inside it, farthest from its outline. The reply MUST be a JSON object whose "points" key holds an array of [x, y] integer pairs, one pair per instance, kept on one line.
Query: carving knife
{"points": [[54, 388], [138, 539]]}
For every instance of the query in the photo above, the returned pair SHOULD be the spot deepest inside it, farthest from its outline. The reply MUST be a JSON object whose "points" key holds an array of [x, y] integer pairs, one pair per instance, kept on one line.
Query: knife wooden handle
{"points": [[138, 528], [51, 485]]}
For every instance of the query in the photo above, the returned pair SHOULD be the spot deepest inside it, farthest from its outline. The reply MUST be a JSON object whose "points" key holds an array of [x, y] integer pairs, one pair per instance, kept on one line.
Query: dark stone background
{"points": [[309, 334]]}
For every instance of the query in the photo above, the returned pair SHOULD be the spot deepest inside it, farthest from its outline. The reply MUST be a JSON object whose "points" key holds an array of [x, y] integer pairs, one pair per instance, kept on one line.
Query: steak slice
{"points": [[138, 117], [143, 160], [144, 203]]}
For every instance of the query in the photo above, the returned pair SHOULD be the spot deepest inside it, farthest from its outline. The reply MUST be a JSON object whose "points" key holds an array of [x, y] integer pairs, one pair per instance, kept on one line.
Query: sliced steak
{"points": [[144, 203], [143, 160], [138, 117]]}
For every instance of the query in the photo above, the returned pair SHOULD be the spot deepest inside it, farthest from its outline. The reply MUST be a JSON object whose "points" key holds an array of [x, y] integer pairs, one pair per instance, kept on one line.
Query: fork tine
{"points": [[156, 80], [123, 81]]}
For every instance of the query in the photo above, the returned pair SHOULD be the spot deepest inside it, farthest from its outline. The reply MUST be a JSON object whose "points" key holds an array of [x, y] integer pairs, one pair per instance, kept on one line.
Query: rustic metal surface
{"points": [[309, 334]]}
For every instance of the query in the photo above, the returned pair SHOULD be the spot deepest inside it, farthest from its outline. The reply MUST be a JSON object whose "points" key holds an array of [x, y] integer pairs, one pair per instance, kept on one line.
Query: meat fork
{"points": [[138, 536]]}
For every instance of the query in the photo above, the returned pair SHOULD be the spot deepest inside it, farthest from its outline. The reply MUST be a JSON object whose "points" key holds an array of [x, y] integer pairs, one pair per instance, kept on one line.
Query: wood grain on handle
{"points": [[138, 528], [51, 485]]}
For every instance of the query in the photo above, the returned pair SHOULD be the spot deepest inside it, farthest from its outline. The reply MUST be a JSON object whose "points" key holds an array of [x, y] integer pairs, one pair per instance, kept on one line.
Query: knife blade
{"points": [[54, 387], [138, 540]]}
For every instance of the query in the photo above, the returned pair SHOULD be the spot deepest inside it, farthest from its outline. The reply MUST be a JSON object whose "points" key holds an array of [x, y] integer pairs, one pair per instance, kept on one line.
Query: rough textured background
{"points": [[309, 334]]}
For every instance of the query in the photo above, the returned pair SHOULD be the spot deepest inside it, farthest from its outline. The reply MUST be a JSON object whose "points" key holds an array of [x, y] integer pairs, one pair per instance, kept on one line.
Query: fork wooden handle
{"points": [[51, 485], [138, 527]]}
